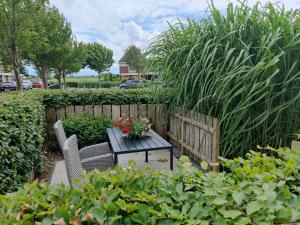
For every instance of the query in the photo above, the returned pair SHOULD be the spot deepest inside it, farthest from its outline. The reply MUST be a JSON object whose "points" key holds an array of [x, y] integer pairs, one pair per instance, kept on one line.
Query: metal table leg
{"points": [[115, 158], [171, 158], [146, 156]]}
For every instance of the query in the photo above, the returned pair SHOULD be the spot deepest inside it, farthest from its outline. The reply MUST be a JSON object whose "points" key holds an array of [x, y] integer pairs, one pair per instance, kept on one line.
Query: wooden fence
{"points": [[155, 112], [196, 135]]}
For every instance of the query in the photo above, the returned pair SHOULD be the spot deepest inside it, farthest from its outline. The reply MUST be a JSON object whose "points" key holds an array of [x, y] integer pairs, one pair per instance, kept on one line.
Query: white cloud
{"points": [[119, 23]]}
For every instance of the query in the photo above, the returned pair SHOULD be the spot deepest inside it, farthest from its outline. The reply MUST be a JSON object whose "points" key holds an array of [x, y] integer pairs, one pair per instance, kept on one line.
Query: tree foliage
{"points": [[135, 59], [51, 44], [99, 58], [17, 19]]}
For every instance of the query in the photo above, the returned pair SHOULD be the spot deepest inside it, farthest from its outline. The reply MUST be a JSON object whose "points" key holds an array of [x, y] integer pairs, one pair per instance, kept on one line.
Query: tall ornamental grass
{"points": [[242, 67]]}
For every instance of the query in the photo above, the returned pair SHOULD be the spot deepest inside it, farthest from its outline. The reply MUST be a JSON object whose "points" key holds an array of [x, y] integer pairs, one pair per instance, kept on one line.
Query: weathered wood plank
{"points": [[295, 145], [142, 111], [79, 109], [60, 112], [125, 110], [133, 110], [151, 113], [107, 111], [89, 109], [98, 110], [160, 123], [216, 141], [70, 110], [116, 112]]}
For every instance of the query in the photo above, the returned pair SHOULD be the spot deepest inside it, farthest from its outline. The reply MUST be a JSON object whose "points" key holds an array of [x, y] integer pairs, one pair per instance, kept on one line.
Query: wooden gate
{"points": [[197, 135]]}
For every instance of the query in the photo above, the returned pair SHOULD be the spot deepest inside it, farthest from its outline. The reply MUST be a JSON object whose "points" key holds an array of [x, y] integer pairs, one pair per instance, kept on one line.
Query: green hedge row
{"points": [[258, 190], [102, 97], [21, 139], [90, 130]]}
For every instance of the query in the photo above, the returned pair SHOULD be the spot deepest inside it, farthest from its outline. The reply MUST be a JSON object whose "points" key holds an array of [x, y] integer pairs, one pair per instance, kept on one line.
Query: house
{"points": [[5, 77], [126, 72]]}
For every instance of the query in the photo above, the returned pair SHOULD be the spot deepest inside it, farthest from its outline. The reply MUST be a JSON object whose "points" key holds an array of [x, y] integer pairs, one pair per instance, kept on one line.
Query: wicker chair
{"points": [[71, 157], [91, 157]]}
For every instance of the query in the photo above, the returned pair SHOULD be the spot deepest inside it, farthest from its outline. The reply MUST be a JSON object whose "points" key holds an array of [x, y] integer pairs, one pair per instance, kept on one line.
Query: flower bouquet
{"points": [[133, 127]]}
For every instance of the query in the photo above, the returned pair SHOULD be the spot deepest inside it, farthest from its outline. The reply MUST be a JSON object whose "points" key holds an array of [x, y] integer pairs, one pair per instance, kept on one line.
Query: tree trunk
{"points": [[139, 74], [17, 72], [59, 79], [64, 78], [14, 52], [44, 76]]}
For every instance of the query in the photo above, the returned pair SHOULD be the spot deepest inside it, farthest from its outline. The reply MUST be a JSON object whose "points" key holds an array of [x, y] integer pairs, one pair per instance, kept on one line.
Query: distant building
{"points": [[126, 72], [5, 77]]}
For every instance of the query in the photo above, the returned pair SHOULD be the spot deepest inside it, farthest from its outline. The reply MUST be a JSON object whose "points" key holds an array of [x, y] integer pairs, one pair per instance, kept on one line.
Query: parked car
{"points": [[37, 84], [8, 86], [130, 84], [26, 84]]}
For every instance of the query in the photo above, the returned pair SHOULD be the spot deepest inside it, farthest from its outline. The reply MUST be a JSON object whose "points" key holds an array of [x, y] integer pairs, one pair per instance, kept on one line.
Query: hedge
{"points": [[90, 130], [102, 97], [258, 190], [21, 139]]}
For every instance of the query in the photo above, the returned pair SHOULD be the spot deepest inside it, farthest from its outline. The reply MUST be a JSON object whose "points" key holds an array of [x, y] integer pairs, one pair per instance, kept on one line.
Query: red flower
{"points": [[127, 129]]}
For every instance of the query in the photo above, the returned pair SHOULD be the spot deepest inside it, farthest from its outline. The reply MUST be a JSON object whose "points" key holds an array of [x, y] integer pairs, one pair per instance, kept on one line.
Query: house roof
{"points": [[122, 59]]}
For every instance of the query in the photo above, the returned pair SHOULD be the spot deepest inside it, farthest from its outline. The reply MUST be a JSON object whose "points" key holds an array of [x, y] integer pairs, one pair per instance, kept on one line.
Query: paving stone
{"points": [[158, 160]]}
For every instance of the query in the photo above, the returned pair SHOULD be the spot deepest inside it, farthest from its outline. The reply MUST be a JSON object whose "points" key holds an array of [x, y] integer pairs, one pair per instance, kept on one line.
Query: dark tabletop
{"points": [[120, 143]]}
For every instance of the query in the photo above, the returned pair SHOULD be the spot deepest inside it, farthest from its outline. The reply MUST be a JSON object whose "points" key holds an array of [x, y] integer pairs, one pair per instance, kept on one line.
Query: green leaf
{"points": [[230, 213], [219, 201], [238, 197], [253, 207], [99, 214], [283, 215], [47, 221]]}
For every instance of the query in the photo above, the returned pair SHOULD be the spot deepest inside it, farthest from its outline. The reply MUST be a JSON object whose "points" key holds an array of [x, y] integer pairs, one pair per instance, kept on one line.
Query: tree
{"points": [[51, 44], [71, 62], [99, 58], [135, 59], [16, 21]]}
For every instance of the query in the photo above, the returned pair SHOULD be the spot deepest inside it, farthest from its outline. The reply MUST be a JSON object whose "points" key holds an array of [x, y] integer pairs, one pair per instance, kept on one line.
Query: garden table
{"points": [[121, 144]]}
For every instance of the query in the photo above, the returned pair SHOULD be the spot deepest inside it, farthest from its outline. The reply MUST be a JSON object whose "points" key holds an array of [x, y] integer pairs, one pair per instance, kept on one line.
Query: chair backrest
{"points": [[60, 134], [71, 157]]}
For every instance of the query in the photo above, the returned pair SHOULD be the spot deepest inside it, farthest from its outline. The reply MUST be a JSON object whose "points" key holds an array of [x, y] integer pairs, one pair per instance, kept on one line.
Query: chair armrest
{"points": [[102, 162], [94, 150]]}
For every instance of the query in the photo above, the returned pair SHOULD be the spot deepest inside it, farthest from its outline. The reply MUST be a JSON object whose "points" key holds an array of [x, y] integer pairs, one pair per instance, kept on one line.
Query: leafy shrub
{"points": [[259, 190], [102, 97], [109, 84], [21, 139], [242, 67], [88, 129]]}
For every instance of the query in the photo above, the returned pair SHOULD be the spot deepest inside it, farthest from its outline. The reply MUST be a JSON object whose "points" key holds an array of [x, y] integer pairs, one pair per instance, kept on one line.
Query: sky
{"points": [[119, 23]]}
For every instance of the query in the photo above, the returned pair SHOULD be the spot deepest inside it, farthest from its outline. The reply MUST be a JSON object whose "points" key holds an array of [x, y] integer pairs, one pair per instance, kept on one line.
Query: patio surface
{"points": [[158, 160]]}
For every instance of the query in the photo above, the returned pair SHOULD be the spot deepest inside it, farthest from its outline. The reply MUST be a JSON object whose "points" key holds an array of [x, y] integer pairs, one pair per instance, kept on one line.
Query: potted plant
{"points": [[133, 127]]}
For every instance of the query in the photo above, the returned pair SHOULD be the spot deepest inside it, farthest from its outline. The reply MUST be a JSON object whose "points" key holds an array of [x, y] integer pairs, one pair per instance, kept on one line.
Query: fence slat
{"points": [[78, 109], [98, 110], [125, 109], [160, 123], [133, 110], [151, 113], [89, 109], [70, 111], [116, 112], [107, 111], [60, 113], [142, 111]]}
